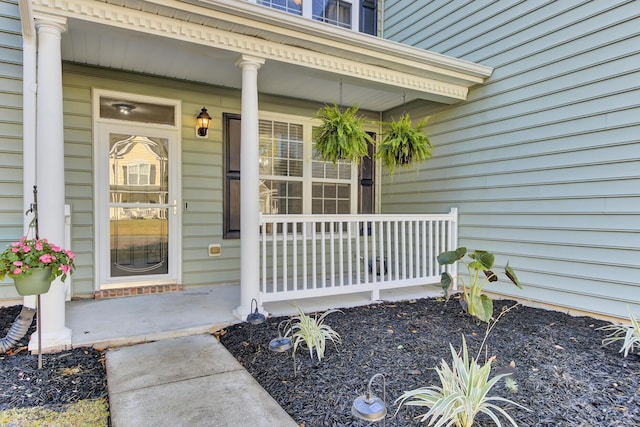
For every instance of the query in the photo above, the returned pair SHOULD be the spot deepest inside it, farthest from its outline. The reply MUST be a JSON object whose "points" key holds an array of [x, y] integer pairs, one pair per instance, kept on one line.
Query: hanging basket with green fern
{"points": [[403, 144], [341, 135]]}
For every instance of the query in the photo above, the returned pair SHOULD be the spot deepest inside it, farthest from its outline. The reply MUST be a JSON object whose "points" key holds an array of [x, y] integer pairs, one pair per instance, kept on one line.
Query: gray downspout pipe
{"points": [[18, 329]]}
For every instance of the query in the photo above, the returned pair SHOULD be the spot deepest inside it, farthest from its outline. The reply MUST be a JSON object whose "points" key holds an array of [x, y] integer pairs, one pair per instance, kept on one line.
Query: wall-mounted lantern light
{"points": [[203, 119]]}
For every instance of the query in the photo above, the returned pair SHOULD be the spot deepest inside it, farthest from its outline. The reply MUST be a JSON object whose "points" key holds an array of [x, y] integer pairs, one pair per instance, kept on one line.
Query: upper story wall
{"points": [[543, 160]]}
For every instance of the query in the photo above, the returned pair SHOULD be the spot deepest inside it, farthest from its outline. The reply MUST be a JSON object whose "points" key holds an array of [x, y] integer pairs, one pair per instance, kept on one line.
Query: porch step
{"points": [[138, 290]]}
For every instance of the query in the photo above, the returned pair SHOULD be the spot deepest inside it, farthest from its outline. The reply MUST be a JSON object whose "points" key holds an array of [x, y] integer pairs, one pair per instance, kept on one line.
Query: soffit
{"points": [[201, 41]]}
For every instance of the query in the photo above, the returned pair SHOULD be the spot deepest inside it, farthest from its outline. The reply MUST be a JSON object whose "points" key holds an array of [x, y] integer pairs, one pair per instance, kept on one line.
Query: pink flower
{"points": [[46, 258], [28, 253]]}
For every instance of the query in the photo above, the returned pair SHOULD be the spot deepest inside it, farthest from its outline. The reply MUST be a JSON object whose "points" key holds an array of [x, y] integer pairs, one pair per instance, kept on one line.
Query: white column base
{"points": [[51, 342]]}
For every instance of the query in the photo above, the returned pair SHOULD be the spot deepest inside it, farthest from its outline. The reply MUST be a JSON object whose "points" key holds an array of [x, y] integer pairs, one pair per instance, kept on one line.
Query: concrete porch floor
{"points": [[133, 320]]}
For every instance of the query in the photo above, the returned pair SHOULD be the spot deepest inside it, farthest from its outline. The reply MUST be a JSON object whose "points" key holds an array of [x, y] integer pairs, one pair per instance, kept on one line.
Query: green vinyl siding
{"points": [[200, 179], [543, 160], [11, 203], [201, 168]]}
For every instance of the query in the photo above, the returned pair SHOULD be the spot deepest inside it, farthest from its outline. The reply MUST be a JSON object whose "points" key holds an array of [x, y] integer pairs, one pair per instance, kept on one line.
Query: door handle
{"points": [[175, 207]]}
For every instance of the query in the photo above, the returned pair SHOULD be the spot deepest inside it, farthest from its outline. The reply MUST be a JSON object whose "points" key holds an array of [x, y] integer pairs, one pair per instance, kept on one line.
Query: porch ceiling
{"points": [[202, 40]]}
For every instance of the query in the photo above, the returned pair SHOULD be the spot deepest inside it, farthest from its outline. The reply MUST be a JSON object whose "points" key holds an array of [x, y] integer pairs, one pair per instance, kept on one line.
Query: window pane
{"points": [[295, 206], [316, 191], [295, 168], [344, 207], [295, 132], [331, 198], [344, 171], [291, 6], [335, 12]]}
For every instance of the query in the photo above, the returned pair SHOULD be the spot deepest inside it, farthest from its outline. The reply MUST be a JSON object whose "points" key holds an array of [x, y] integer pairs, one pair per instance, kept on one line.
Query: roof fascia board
{"points": [[282, 23], [162, 26]]}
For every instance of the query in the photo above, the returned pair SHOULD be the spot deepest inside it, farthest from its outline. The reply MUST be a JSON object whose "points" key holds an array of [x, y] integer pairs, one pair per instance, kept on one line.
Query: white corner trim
{"points": [[26, 19]]}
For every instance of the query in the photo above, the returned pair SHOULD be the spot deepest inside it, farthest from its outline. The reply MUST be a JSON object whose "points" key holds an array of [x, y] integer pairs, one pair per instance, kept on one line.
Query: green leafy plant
{"points": [[341, 135], [403, 144], [312, 332], [463, 393], [473, 300], [628, 334]]}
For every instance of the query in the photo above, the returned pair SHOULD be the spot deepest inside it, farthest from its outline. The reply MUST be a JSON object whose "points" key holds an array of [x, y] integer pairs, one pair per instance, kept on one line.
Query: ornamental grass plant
{"points": [[628, 334], [312, 332], [463, 393]]}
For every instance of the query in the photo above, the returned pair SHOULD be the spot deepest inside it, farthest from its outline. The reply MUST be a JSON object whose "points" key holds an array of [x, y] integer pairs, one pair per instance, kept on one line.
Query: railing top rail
{"points": [[350, 218]]}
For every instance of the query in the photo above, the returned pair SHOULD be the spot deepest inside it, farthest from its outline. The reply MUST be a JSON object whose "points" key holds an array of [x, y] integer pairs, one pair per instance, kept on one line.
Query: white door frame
{"points": [[102, 128]]}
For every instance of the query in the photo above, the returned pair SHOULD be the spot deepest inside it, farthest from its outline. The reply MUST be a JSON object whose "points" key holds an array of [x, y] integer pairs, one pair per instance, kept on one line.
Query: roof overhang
{"points": [[202, 40]]}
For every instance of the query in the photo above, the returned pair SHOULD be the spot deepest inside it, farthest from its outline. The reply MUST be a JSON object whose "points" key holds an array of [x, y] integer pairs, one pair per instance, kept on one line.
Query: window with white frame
{"points": [[288, 185], [342, 13]]}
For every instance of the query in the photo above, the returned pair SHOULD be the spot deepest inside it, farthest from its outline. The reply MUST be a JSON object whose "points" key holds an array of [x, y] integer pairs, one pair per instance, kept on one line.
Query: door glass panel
{"points": [[138, 205]]}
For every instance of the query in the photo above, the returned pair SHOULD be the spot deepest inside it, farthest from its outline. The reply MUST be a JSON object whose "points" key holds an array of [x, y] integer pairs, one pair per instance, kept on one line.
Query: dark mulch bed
{"points": [[563, 373], [65, 377]]}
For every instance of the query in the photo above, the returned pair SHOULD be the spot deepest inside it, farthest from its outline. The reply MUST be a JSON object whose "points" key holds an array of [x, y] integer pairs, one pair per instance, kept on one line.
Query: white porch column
{"points": [[249, 182], [50, 172]]}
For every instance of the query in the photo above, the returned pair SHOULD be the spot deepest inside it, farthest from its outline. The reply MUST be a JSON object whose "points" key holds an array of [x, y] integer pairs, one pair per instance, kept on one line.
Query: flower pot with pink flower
{"points": [[34, 263]]}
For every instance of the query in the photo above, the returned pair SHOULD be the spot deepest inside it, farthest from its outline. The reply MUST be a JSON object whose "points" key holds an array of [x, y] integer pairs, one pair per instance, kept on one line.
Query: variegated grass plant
{"points": [[628, 334], [463, 392], [312, 332]]}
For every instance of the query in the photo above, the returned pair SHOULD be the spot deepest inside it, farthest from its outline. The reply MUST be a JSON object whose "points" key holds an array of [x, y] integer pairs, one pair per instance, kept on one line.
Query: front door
{"points": [[137, 202]]}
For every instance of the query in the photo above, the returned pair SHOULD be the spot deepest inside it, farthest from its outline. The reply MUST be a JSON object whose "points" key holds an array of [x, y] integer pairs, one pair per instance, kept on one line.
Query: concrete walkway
{"points": [[188, 381], [165, 368]]}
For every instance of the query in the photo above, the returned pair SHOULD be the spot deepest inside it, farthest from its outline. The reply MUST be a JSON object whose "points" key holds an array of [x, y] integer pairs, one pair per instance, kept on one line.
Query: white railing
{"points": [[305, 256]]}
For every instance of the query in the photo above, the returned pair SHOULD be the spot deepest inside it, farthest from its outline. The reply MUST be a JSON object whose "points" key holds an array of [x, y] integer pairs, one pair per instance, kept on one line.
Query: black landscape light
{"points": [[369, 407], [280, 344], [255, 317]]}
